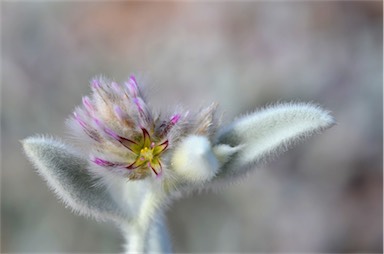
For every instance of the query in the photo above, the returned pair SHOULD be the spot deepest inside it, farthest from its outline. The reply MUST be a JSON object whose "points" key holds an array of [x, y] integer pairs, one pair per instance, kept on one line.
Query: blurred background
{"points": [[325, 195]]}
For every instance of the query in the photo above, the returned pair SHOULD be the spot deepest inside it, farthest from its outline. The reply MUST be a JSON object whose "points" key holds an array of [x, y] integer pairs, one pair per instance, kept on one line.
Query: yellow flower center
{"points": [[146, 154]]}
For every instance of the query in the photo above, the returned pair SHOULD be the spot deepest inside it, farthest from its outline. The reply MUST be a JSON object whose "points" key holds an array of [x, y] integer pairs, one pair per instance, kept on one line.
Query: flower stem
{"points": [[148, 233]]}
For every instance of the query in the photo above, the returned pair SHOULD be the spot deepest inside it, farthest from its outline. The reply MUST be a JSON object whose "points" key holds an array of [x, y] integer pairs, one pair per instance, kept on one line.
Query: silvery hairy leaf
{"points": [[66, 174], [257, 137]]}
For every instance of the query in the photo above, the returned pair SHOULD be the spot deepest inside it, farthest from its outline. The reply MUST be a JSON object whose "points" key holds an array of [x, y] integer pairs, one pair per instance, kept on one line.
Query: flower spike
{"points": [[135, 163]]}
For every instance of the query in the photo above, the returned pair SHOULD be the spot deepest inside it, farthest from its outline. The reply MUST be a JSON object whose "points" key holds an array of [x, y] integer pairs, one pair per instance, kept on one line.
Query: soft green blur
{"points": [[325, 195]]}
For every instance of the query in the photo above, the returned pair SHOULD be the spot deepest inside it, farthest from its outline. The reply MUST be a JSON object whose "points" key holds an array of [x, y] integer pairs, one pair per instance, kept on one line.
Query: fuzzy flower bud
{"points": [[194, 159]]}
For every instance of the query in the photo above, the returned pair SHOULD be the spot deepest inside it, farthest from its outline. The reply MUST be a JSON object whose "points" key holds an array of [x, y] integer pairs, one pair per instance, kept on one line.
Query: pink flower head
{"points": [[125, 136]]}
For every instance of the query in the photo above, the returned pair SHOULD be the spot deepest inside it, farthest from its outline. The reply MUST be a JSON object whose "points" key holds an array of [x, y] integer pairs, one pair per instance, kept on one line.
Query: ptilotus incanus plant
{"points": [[131, 162]]}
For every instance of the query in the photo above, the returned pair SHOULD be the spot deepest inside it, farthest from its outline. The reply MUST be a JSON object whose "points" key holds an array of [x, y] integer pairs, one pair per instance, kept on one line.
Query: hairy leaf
{"points": [[66, 174], [264, 134]]}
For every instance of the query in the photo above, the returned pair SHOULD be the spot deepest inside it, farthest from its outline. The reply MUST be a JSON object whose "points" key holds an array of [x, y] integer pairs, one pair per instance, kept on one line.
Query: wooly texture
{"points": [[137, 164], [66, 174], [264, 134]]}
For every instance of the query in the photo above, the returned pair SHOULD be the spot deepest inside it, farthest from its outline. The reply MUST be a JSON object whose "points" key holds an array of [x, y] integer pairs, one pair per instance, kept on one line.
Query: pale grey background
{"points": [[323, 196]]}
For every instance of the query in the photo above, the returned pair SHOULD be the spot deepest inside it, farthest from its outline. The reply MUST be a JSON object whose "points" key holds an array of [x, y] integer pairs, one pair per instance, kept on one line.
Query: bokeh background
{"points": [[325, 195]]}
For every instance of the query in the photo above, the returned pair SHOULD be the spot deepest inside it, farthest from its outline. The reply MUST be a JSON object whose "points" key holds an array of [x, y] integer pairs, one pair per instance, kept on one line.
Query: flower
{"points": [[125, 136], [181, 151]]}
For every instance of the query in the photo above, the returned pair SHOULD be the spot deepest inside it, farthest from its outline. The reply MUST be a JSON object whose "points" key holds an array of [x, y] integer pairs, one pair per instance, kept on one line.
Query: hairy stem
{"points": [[148, 233]]}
